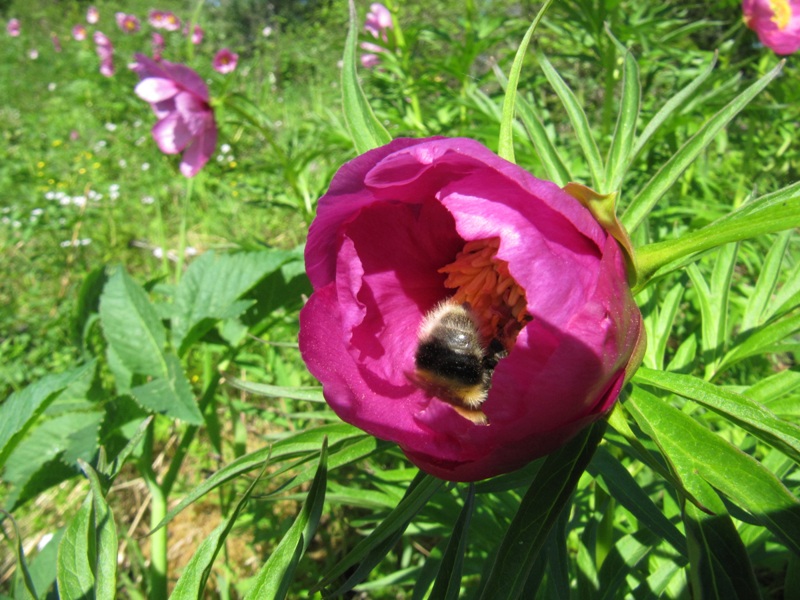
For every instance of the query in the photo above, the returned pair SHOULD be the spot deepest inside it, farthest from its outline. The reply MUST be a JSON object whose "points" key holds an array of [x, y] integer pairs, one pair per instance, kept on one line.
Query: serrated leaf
{"points": [[273, 580], [694, 452], [448, 581], [211, 288], [365, 129], [505, 145], [547, 497], [132, 326], [739, 409], [195, 575], [20, 410], [579, 122], [170, 394], [667, 175]]}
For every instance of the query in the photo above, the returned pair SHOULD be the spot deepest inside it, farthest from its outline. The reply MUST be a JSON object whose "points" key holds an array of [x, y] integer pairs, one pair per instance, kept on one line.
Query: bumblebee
{"points": [[452, 361]]}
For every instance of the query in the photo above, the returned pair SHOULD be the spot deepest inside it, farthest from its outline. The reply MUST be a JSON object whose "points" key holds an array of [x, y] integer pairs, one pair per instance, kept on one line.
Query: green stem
{"points": [[162, 236], [158, 510]]}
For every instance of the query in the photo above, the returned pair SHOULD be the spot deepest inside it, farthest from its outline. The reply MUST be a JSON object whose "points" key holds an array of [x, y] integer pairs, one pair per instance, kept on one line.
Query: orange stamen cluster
{"points": [[485, 283], [781, 13]]}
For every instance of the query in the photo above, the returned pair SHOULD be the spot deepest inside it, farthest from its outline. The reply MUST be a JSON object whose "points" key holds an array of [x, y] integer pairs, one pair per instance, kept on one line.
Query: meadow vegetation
{"points": [[103, 242]]}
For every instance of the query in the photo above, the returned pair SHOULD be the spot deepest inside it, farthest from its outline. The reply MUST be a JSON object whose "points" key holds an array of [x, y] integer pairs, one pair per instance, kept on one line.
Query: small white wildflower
{"points": [[158, 252], [66, 243], [190, 251], [85, 241], [145, 166], [36, 212], [267, 31], [5, 220], [65, 200], [16, 224], [79, 200], [225, 148], [110, 126], [50, 195], [148, 200], [122, 163], [51, 87]]}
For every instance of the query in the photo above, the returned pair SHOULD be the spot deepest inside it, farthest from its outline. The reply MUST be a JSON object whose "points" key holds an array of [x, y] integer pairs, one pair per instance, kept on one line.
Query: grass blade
{"points": [[505, 144], [757, 305], [366, 131], [579, 122], [662, 181], [448, 582]]}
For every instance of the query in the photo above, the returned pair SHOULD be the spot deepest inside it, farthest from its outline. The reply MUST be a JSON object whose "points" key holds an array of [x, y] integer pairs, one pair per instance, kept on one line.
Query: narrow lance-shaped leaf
{"points": [[768, 275], [448, 582], [505, 145], [579, 122], [366, 130], [663, 180], [619, 154], [694, 451], [545, 499]]}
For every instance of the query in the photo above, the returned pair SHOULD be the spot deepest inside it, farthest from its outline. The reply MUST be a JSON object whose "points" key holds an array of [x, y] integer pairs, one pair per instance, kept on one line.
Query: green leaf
{"points": [[448, 582], [619, 154], [659, 324], [762, 340], [739, 409], [310, 393], [103, 545], [695, 452], [132, 327], [113, 468], [621, 486], [757, 309], [302, 444], [74, 573], [720, 566], [505, 145], [547, 497], [366, 130], [28, 589], [663, 180], [670, 106], [371, 550], [21, 409], [170, 394], [579, 122], [621, 561], [211, 288], [273, 580], [193, 580]]}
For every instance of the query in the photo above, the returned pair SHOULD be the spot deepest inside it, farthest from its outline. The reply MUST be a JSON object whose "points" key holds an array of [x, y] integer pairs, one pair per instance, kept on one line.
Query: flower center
{"points": [[781, 13], [485, 283]]}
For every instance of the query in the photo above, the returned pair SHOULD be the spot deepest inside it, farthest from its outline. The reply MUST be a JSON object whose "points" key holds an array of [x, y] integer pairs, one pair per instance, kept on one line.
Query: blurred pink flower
{"points": [[13, 27], [56, 42], [379, 21], [371, 59], [776, 22], [79, 33], [179, 99], [105, 50], [225, 61], [158, 45], [156, 18], [92, 15], [197, 34], [171, 21], [418, 222], [128, 23]]}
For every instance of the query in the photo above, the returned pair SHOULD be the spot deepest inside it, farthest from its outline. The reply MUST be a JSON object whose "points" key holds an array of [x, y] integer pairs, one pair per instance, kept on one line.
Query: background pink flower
{"points": [[158, 45], [378, 21], [179, 99], [79, 33], [105, 50], [13, 27], [156, 18], [776, 22], [92, 15], [225, 61], [197, 34], [171, 21], [391, 221], [128, 23]]}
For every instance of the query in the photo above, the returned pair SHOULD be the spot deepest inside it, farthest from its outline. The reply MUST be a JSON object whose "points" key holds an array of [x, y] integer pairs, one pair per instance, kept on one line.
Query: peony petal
{"points": [[156, 89], [171, 134], [197, 154]]}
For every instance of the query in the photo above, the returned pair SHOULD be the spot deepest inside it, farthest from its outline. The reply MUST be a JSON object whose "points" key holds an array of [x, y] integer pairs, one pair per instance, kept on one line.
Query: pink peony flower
{"points": [[777, 23], [13, 27], [416, 223], [158, 45], [105, 50], [128, 23], [171, 22], [179, 98], [379, 21], [197, 35], [79, 33], [92, 15], [225, 61]]}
